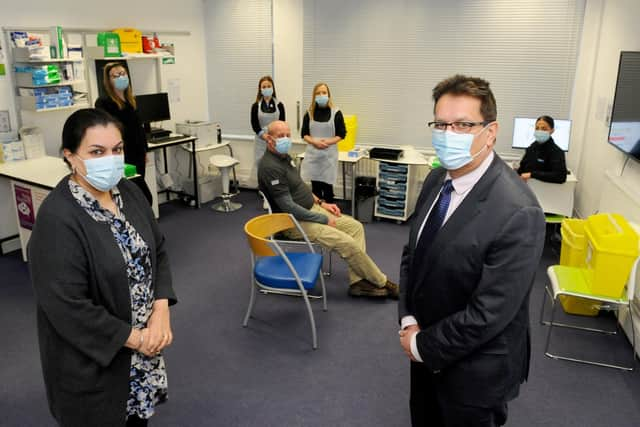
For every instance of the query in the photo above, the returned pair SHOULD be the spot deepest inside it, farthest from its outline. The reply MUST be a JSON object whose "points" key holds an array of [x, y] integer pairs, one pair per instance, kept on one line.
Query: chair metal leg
{"points": [[311, 319], [554, 304], [252, 299], [324, 292], [544, 299], [633, 337]]}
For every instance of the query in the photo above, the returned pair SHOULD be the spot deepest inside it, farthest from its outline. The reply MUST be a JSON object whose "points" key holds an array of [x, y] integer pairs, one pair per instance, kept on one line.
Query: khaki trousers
{"points": [[348, 240]]}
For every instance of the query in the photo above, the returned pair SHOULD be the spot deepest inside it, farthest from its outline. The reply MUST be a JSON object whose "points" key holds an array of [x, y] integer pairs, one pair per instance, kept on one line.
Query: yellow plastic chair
{"points": [[328, 260], [280, 272], [572, 281]]}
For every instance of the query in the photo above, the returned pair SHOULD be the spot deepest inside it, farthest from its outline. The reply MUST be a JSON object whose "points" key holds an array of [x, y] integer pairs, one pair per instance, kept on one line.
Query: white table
{"points": [[555, 198], [30, 182]]}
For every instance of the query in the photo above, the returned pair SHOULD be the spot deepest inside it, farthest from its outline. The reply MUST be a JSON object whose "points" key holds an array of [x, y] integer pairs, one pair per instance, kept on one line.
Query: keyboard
{"points": [[157, 141]]}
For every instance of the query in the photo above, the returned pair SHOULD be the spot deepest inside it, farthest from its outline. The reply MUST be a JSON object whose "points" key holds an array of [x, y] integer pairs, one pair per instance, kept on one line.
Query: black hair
{"points": [[77, 124], [470, 86], [547, 119]]}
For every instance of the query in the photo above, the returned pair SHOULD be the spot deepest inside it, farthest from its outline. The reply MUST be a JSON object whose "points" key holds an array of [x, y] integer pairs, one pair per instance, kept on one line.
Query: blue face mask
{"points": [[453, 149], [541, 135], [267, 92], [322, 100], [103, 173], [121, 82], [283, 145]]}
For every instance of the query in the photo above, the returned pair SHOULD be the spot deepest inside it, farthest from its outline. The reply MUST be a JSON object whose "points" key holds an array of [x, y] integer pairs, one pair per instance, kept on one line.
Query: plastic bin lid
{"points": [[612, 233]]}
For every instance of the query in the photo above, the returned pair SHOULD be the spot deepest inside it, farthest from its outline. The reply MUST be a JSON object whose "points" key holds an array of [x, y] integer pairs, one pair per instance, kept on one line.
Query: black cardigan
{"points": [[84, 307], [545, 161]]}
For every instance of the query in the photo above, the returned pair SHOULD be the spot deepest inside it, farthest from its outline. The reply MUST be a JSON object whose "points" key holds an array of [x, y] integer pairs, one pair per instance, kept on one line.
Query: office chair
{"points": [[571, 281], [225, 164], [277, 271], [327, 261]]}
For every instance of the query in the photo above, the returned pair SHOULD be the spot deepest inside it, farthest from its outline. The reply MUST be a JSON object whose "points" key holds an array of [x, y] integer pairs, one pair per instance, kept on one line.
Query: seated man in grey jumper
{"points": [[323, 222]]}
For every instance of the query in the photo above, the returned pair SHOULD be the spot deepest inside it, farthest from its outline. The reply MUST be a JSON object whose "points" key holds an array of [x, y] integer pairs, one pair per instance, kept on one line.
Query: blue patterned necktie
{"points": [[436, 218]]}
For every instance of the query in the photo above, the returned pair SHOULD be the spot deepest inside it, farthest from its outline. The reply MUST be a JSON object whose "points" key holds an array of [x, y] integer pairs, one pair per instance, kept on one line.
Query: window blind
{"points": [[381, 59], [238, 35]]}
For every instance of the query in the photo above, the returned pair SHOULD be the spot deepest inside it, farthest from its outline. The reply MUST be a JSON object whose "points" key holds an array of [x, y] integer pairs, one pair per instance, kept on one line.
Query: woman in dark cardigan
{"points": [[121, 104], [102, 284]]}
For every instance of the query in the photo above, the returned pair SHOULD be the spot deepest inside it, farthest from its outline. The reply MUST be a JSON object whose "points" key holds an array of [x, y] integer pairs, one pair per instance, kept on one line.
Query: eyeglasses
{"points": [[457, 127], [119, 74]]}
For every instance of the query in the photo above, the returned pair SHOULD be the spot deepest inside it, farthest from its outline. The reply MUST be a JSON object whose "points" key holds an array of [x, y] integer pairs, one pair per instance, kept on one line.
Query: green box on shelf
{"points": [[111, 44]]}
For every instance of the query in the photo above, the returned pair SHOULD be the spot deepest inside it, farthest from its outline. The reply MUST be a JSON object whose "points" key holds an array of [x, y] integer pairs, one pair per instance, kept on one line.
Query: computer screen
{"points": [[523, 129], [624, 130], [153, 107]]}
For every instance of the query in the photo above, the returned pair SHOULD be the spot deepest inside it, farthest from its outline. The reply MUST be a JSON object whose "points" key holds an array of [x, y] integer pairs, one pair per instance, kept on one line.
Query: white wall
{"points": [[610, 27]]}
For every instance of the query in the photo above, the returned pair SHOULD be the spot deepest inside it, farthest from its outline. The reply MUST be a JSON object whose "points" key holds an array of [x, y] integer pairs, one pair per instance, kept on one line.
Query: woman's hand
{"points": [[159, 328], [320, 144]]}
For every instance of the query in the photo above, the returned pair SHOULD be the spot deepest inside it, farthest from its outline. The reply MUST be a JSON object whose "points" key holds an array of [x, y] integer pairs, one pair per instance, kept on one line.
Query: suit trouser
{"points": [[348, 240], [429, 408]]}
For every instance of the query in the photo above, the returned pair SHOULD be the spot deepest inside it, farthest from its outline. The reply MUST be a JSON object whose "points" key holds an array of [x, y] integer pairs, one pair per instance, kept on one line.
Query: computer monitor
{"points": [[523, 129], [153, 107]]}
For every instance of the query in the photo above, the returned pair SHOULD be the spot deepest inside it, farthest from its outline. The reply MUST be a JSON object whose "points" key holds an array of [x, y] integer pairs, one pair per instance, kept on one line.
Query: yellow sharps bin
{"points": [[572, 254], [349, 141], [612, 247]]}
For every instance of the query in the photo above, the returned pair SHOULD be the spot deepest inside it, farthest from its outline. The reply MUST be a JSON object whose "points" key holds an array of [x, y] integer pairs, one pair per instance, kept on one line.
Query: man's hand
{"points": [[405, 339], [332, 208], [525, 176]]}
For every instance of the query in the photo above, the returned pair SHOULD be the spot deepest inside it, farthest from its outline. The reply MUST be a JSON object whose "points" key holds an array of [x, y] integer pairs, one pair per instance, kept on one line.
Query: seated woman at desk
{"points": [[544, 160], [121, 104], [102, 284]]}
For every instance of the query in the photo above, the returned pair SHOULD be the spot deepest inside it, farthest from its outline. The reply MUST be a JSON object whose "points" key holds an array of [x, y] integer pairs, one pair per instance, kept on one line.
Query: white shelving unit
{"points": [[20, 56]]}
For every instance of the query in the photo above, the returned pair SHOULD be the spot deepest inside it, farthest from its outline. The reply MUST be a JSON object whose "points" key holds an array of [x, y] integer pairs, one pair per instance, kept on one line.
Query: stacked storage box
{"points": [[392, 184], [42, 98], [37, 76]]}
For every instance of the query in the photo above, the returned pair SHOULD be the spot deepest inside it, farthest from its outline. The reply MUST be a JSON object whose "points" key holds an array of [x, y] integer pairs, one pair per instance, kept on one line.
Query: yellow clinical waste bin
{"points": [[612, 247], [349, 141], [572, 254]]}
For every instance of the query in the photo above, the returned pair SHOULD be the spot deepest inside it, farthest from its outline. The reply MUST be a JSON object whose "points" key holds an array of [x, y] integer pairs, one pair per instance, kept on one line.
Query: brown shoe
{"points": [[364, 288], [393, 289]]}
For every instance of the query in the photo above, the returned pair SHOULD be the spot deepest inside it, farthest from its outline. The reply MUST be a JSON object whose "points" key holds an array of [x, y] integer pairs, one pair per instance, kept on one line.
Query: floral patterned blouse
{"points": [[148, 375]]}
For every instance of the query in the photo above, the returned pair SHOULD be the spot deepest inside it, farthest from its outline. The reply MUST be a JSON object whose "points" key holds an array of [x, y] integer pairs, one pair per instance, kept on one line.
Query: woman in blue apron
{"points": [[266, 109], [322, 128]]}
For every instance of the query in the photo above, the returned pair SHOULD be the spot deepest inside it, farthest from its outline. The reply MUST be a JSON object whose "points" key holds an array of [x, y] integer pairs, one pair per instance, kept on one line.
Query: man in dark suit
{"points": [[468, 268]]}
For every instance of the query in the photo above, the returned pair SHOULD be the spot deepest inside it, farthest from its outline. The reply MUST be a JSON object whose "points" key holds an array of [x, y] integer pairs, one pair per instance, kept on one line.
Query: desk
{"points": [[163, 144], [555, 198], [30, 182], [344, 159]]}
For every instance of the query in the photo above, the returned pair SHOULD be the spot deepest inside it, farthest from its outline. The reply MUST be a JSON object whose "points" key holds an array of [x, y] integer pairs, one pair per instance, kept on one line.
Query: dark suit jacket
{"points": [[84, 306], [470, 291]]}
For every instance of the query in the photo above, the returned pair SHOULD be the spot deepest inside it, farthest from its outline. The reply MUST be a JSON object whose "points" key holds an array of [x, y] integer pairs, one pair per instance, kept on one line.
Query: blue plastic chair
{"points": [[280, 272]]}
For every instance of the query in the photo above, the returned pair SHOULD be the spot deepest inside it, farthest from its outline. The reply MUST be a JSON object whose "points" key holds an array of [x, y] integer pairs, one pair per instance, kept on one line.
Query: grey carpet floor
{"points": [[221, 374]]}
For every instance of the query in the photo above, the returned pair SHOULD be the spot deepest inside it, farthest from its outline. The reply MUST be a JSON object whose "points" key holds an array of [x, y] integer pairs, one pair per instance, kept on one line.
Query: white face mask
{"points": [[454, 149], [104, 173]]}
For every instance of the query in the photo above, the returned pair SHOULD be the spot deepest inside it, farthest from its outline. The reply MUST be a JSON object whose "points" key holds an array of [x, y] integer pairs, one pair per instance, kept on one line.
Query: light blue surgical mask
{"points": [[267, 92], [104, 173], [121, 82], [283, 145], [322, 100], [541, 135], [454, 149]]}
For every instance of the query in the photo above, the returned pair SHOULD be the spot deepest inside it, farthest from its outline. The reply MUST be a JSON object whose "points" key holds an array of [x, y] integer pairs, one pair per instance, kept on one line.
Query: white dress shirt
{"points": [[461, 187]]}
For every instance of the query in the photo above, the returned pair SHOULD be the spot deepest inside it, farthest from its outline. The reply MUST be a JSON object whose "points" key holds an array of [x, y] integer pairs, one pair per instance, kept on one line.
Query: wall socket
{"points": [[5, 123]]}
